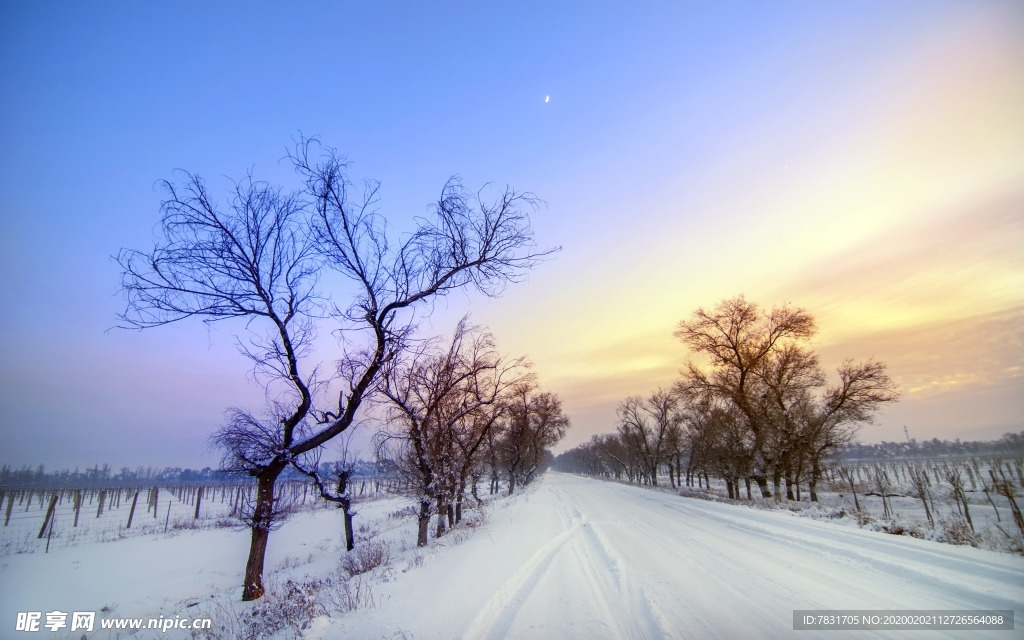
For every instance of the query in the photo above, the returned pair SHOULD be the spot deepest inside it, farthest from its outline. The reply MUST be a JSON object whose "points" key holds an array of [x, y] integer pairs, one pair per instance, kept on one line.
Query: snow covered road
{"points": [[580, 558]]}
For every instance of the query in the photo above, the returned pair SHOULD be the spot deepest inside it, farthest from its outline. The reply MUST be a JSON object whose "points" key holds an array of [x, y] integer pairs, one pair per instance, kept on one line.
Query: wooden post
{"points": [[199, 498], [156, 496], [131, 513], [49, 514], [103, 496], [10, 505], [78, 505], [168, 519]]}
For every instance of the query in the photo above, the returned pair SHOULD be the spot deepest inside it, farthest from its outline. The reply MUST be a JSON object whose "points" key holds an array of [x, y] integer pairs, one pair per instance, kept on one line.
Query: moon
{"points": [[547, 98]]}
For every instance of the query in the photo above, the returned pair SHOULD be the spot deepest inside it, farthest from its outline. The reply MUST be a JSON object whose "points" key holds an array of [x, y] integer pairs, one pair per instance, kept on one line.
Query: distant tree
{"points": [[535, 422], [833, 419], [259, 260], [334, 482], [758, 365], [737, 339], [646, 425], [444, 401], [719, 444]]}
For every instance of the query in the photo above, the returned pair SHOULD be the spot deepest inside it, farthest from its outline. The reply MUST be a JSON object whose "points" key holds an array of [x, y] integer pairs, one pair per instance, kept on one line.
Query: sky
{"points": [[862, 160]]}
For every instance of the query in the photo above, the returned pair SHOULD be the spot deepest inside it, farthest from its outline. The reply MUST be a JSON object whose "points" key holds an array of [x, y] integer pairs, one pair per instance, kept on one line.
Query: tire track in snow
{"points": [[630, 611], [499, 612], [580, 578], [645, 619]]}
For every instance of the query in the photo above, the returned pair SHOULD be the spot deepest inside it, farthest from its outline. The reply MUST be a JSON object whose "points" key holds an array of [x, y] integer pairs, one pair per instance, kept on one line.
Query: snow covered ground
{"points": [[567, 558]]}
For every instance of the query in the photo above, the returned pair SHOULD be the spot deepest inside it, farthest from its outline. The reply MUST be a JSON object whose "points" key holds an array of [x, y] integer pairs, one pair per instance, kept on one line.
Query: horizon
{"points": [[863, 162], [560, 449]]}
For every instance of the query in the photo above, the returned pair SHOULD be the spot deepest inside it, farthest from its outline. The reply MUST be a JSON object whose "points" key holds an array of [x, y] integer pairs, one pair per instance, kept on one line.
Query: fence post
{"points": [[49, 514], [78, 505], [199, 498], [10, 505], [103, 496], [49, 535], [132, 512]]}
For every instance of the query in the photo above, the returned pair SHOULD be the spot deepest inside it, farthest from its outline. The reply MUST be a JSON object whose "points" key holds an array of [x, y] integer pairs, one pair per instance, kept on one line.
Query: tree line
{"points": [[752, 406], [105, 476], [459, 409], [1008, 444], [263, 257]]}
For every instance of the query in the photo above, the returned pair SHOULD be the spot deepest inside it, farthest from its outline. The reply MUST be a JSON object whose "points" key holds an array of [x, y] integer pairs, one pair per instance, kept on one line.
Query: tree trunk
{"points": [[350, 539], [424, 522], [815, 474], [473, 491], [762, 483], [262, 519], [789, 473], [853, 490], [442, 508]]}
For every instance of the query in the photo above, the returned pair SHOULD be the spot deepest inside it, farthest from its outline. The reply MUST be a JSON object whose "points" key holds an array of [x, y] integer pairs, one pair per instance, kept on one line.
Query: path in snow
{"points": [[580, 558]]}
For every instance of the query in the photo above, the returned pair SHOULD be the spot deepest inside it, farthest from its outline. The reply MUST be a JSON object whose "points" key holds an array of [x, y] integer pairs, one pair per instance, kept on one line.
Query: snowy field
{"points": [[569, 557]]}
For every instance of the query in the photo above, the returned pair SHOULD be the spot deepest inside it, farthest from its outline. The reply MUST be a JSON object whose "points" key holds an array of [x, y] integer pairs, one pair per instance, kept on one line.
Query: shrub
{"points": [[366, 557], [287, 609], [956, 531], [899, 529]]}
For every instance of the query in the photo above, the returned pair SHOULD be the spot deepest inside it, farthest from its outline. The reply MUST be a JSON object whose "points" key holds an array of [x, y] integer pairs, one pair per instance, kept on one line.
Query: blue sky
{"points": [[864, 160]]}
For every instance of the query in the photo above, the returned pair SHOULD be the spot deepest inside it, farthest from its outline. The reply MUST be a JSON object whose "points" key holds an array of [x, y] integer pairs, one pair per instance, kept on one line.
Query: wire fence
{"points": [[40, 519]]}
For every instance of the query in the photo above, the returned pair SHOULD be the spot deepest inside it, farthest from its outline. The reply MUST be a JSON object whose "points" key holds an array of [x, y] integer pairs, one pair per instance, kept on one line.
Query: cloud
{"points": [[942, 304], [955, 266]]}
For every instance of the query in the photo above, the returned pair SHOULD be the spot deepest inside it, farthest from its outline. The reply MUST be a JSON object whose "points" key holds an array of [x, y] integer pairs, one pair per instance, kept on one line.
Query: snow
{"points": [[569, 557]]}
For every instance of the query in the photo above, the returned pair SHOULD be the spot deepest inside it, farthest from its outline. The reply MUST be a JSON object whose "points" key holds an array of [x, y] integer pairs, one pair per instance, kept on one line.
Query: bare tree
{"points": [[833, 419], [618, 458], [737, 339], [719, 443], [535, 423], [259, 260], [443, 402], [646, 424], [337, 474], [758, 364]]}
